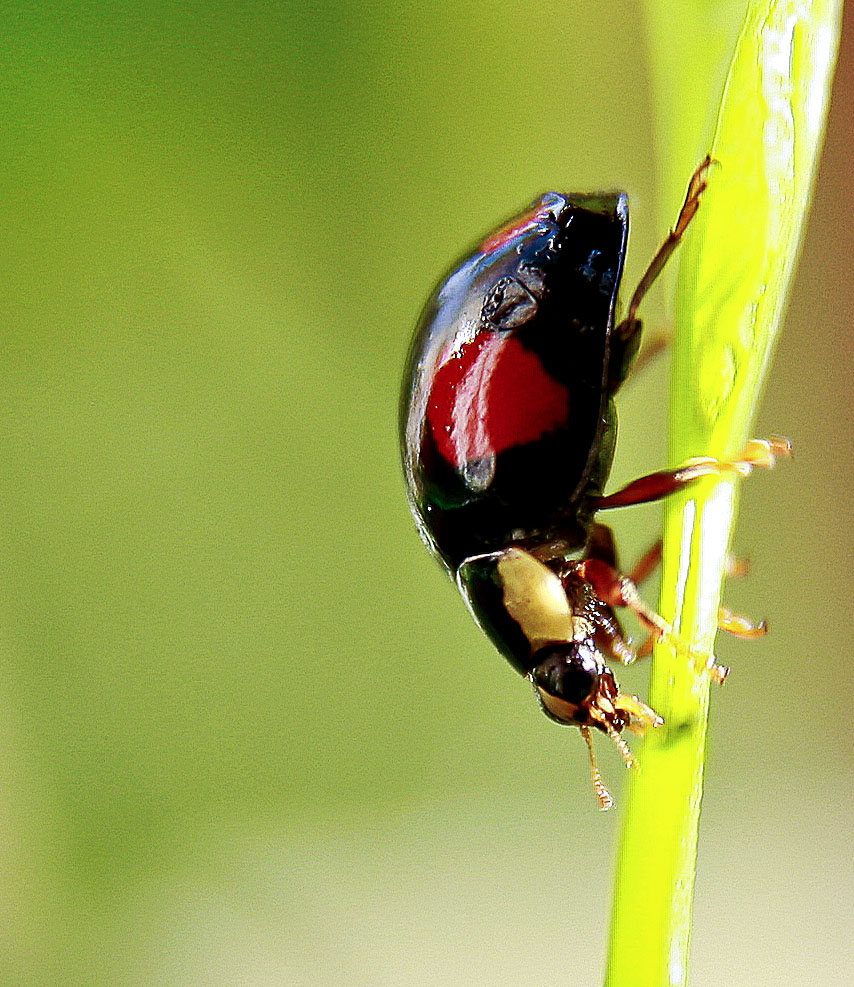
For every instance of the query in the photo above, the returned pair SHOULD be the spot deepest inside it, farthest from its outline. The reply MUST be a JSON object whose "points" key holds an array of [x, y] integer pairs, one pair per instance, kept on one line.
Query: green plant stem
{"points": [[734, 277]]}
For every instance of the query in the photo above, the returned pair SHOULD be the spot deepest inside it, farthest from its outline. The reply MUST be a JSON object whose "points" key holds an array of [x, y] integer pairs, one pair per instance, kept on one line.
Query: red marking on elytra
{"points": [[490, 396]]}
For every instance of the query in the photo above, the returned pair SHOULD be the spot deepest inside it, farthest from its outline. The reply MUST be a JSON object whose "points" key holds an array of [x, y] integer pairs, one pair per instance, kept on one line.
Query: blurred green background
{"points": [[248, 733]]}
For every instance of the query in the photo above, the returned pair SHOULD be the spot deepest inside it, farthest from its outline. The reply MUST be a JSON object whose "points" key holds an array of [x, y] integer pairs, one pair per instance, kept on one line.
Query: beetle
{"points": [[508, 426]]}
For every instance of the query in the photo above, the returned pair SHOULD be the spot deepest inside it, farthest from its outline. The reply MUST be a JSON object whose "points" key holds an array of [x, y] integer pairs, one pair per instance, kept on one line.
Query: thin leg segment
{"points": [[757, 454], [652, 349], [619, 591], [696, 187], [601, 545], [647, 564], [651, 560]]}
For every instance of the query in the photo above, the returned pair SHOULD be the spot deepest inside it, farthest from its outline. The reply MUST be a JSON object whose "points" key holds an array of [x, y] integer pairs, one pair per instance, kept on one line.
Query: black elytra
{"points": [[507, 422]]}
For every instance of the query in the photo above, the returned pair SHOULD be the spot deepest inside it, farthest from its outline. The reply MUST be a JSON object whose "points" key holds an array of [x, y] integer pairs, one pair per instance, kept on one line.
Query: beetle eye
{"points": [[567, 671]]}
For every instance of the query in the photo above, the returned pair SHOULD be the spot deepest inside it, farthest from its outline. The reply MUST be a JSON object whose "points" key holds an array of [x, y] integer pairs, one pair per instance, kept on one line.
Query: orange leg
{"points": [[736, 568], [728, 621], [740, 626], [619, 591]]}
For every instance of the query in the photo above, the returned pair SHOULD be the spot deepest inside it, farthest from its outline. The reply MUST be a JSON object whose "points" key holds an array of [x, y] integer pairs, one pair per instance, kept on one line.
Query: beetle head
{"points": [[573, 685], [522, 605]]}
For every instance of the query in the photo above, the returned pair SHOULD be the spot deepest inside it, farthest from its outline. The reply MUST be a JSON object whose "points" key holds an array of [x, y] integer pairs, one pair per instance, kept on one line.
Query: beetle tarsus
{"points": [[740, 626], [718, 673], [736, 568], [757, 454]]}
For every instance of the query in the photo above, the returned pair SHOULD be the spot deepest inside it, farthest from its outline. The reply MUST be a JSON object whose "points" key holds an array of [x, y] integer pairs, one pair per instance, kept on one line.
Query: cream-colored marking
{"points": [[535, 599], [559, 708]]}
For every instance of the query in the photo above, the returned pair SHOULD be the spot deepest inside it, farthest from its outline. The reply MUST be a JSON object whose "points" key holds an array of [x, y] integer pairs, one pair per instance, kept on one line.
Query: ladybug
{"points": [[508, 429]]}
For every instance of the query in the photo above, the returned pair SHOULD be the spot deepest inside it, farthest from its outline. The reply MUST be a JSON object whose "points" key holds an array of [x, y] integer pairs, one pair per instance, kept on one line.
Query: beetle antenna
{"points": [[602, 793], [621, 745]]}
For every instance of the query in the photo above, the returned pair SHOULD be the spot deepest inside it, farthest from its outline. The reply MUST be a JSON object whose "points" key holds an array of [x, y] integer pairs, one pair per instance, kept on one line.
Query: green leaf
{"points": [[735, 272]]}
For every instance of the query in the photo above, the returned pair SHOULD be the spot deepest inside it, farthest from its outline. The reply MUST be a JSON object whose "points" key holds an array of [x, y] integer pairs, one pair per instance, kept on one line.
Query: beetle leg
{"points": [[741, 626], [757, 454], [630, 325], [644, 650], [609, 633], [619, 591], [736, 568], [612, 640], [646, 564], [662, 631], [651, 560], [600, 544], [643, 569], [634, 355], [652, 348]]}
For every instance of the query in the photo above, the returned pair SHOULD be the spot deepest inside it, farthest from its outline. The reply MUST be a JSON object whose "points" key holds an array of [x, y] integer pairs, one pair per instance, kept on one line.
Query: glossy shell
{"points": [[507, 426]]}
